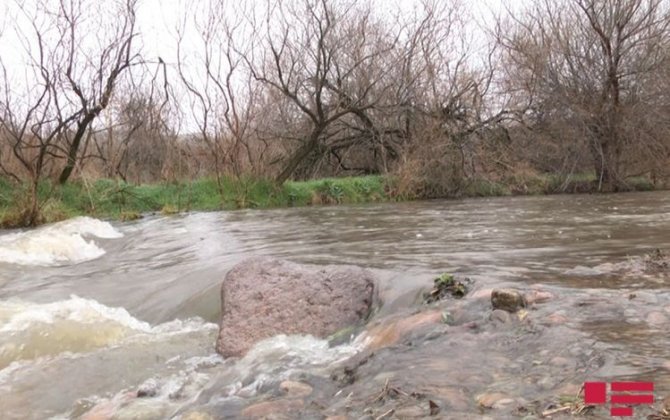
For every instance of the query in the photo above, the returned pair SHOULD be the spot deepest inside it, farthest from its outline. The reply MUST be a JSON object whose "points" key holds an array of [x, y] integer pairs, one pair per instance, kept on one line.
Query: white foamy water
{"points": [[60, 243], [17, 315], [277, 358], [299, 350], [32, 330]]}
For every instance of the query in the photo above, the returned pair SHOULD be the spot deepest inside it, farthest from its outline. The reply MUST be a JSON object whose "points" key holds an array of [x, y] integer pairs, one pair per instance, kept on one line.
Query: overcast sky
{"points": [[158, 18], [157, 21]]}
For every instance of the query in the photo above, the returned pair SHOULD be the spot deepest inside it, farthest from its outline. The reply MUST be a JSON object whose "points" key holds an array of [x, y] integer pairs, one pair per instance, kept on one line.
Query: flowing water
{"points": [[92, 311]]}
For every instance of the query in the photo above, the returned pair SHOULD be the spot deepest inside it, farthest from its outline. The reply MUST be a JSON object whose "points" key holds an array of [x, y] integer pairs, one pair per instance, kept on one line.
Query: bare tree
{"points": [[91, 82], [70, 79], [222, 94], [447, 103], [594, 64], [319, 56]]}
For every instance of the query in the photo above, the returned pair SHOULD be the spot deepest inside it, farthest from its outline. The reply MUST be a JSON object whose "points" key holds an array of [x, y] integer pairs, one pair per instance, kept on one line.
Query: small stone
{"points": [[337, 418], [433, 408], [500, 316], [507, 299], [488, 400], [413, 412], [149, 388], [454, 397], [500, 404], [295, 389]]}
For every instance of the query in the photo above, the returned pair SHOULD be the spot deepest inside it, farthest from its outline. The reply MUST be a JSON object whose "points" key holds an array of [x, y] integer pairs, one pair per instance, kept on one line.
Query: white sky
{"points": [[158, 19]]}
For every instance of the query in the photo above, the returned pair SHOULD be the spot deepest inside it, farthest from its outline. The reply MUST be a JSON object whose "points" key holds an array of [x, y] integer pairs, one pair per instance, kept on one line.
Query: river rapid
{"points": [[91, 312]]}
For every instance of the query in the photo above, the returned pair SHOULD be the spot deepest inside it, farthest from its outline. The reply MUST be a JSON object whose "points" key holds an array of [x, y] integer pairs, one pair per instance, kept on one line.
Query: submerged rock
{"points": [[493, 400], [390, 331], [537, 296], [295, 389], [557, 318], [277, 409], [500, 316], [508, 300], [263, 297], [484, 294]]}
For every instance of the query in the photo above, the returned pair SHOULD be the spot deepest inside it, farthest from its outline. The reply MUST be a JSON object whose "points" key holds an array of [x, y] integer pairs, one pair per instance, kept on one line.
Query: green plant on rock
{"points": [[446, 285], [444, 280]]}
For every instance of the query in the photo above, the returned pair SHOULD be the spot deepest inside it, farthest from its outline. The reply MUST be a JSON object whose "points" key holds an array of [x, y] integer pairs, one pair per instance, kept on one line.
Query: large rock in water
{"points": [[262, 297]]}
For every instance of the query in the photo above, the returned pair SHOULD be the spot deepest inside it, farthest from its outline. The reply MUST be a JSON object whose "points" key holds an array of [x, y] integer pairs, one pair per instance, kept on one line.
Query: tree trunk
{"points": [[298, 157], [74, 148], [32, 217]]}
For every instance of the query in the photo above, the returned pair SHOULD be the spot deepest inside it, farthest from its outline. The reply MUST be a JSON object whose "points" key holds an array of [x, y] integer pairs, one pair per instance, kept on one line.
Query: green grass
{"points": [[113, 199]]}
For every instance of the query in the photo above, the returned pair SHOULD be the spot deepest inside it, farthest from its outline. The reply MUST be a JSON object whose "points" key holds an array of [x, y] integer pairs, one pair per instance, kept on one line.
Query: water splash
{"points": [[31, 330], [57, 244]]}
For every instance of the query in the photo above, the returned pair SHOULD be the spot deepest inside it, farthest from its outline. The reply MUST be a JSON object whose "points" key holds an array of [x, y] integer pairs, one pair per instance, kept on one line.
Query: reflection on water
{"points": [[108, 337]]}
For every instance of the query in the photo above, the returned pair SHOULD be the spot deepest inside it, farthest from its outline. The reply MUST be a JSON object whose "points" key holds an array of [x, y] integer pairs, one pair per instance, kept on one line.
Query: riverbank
{"points": [[118, 200]]}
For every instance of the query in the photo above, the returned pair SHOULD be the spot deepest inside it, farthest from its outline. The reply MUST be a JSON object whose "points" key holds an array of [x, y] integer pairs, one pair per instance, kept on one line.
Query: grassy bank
{"points": [[122, 201]]}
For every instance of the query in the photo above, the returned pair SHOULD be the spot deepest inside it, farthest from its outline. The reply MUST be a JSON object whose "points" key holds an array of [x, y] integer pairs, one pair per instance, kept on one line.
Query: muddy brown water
{"points": [[81, 330]]}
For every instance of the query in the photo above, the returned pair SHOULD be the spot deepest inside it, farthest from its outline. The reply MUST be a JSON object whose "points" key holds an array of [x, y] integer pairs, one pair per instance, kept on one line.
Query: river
{"points": [[90, 311]]}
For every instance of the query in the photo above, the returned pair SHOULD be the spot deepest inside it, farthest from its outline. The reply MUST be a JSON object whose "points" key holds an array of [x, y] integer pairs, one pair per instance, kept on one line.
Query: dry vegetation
{"points": [[568, 95]]}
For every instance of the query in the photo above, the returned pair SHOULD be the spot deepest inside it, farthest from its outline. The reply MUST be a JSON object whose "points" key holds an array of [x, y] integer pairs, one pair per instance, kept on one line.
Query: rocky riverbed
{"points": [[485, 353]]}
